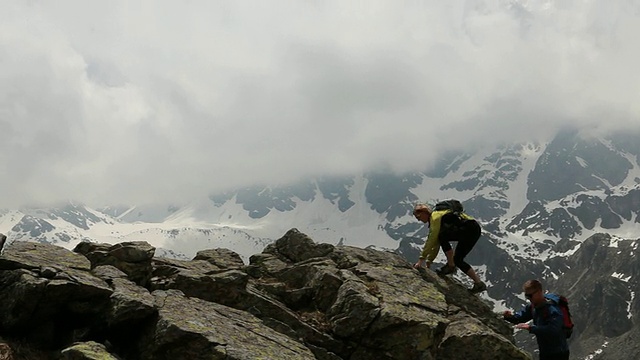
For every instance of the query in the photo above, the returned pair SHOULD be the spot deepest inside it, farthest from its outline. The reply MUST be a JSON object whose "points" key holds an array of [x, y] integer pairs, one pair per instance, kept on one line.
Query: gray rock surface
{"points": [[296, 300]]}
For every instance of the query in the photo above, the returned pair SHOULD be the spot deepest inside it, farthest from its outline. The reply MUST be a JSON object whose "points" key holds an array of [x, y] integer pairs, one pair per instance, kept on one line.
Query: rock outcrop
{"points": [[601, 283], [3, 239], [295, 300]]}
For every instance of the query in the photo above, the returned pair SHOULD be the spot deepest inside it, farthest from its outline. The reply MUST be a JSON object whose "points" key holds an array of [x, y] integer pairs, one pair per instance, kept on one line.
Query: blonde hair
{"points": [[421, 208]]}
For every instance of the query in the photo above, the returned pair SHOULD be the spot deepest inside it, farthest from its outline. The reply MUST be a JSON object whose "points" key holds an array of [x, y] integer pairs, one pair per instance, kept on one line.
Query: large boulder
{"points": [[47, 291], [465, 335], [133, 258], [129, 303], [90, 350], [6, 353], [199, 278], [190, 328], [221, 258], [3, 239]]}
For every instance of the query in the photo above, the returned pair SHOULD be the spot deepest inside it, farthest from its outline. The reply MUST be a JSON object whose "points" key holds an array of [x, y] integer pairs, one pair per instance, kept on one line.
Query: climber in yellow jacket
{"points": [[446, 226]]}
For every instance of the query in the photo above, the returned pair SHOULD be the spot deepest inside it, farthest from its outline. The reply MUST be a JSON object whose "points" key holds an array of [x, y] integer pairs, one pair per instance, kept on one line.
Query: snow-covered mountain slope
{"points": [[70, 224], [529, 198], [538, 204]]}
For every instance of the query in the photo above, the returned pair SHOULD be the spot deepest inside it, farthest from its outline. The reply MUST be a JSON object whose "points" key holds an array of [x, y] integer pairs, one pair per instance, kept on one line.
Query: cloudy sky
{"points": [[136, 101]]}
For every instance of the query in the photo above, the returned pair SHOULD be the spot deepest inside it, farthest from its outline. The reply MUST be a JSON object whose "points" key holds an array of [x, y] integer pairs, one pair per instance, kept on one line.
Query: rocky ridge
{"points": [[295, 300]]}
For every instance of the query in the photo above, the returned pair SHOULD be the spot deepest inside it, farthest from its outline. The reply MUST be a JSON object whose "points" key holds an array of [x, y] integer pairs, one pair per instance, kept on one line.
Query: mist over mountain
{"points": [[566, 211], [109, 105]]}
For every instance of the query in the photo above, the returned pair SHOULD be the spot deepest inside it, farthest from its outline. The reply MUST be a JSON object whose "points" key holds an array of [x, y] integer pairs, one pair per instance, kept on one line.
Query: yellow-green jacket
{"points": [[432, 246]]}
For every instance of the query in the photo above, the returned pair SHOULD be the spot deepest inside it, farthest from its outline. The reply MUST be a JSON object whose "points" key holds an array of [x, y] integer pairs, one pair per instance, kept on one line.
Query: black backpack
{"points": [[454, 205], [453, 226]]}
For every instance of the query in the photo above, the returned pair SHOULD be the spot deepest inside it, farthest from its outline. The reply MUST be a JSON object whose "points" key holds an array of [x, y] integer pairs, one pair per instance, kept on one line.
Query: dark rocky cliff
{"points": [[296, 300], [601, 280]]}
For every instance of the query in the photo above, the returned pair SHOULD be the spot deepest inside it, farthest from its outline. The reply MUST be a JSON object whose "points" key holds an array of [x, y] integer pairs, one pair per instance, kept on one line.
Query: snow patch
{"points": [[597, 352], [621, 276]]}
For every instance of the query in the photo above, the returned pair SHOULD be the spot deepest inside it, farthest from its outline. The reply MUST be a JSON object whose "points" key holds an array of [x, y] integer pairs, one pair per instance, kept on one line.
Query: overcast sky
{"points": [[138, 101]]}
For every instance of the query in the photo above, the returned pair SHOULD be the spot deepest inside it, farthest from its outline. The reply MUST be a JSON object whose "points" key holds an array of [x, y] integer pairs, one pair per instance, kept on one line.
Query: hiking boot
{"points": [[446, 270], [478, 287]]}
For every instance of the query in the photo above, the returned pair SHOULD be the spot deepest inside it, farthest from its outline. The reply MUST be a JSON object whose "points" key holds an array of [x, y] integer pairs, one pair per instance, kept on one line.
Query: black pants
{"points": [[560, 356], [467, 239]]}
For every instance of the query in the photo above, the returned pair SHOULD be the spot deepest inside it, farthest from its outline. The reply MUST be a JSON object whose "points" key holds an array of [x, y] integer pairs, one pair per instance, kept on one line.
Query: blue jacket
{"points": [[547, 325]]}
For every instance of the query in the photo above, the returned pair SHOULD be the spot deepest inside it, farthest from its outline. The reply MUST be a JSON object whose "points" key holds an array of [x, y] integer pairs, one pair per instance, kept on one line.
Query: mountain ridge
{"points": [[506, 188], [537, 203]]}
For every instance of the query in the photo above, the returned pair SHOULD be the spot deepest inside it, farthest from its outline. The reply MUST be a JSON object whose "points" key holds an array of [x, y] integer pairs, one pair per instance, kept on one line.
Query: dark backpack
{"points": [[563, 304], [453, 226], [454, 205]]}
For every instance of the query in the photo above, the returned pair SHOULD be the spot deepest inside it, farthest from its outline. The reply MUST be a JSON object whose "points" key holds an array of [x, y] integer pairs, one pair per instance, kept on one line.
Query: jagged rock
{"points": [[129, 303], [108, 273], [33, 299], [465, 335], [95, 252], [199, 278], [3, 239], [265, 264], [190, 328], [5, 351], [90, 350], [372, 296], [133, 251], [601, 284], [295, 246], [34, 256], [310, 325], [222, 258], [296, 300], [133, 258], [167, 267]]}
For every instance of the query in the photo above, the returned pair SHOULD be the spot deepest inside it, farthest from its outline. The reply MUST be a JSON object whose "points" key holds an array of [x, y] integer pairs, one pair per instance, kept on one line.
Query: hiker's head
{"points": [[422, 212], [533, 291]]}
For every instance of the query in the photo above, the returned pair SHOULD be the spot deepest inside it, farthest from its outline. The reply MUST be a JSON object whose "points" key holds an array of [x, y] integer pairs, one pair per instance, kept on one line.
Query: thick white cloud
{"points": [[109, 102]]}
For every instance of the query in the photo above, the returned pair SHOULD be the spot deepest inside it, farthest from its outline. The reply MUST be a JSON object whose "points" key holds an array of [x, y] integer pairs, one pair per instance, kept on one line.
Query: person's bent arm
{"points": [[521, 316], [431, 247]]}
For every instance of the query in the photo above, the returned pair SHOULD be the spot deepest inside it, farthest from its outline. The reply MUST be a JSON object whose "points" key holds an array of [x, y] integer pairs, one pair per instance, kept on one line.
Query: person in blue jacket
{"points": [[547, 321]]}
